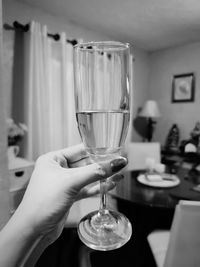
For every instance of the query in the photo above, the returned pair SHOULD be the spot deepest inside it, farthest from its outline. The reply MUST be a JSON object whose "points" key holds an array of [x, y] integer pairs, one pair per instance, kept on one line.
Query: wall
{"points": [[152, 72], [163, 65], [14, 10], [4, 184]]}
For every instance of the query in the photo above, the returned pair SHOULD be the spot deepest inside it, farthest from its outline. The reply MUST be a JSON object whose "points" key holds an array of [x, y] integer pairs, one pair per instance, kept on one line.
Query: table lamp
{"points": [[150, 111]]}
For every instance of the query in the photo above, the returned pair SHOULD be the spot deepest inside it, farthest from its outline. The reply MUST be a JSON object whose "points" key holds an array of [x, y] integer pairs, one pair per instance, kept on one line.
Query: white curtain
{"points": [[49, 94]]}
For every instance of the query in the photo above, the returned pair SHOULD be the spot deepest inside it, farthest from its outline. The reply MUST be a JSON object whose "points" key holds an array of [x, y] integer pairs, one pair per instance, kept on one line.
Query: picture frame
{"points": [[183, 88]]}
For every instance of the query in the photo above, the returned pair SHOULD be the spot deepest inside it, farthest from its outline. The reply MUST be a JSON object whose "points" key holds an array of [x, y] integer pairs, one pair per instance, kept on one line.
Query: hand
{"points": [[59, 179]]}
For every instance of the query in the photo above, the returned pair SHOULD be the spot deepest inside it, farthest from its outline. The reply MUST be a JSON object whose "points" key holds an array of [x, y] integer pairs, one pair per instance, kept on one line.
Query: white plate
{"points": [[163, 183]]}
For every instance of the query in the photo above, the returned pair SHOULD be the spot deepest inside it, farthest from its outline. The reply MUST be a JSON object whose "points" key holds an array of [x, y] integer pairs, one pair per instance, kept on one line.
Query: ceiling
{"points": [[149, 24]]}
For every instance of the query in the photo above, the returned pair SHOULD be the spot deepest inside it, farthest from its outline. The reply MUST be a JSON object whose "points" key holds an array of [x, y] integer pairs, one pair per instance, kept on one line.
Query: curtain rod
{"points": [[26, 27]]}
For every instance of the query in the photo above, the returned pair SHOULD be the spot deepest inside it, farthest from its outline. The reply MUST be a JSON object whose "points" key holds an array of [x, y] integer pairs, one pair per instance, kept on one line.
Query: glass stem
{"points": [[102, 208]]}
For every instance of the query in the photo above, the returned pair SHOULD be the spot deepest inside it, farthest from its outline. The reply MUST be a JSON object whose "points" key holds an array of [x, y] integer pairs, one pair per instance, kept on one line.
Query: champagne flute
{"points": [[102, 81]]}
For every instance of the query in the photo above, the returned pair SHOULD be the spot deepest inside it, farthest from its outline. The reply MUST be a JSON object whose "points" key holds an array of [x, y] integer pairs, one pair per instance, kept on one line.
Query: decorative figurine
{"points": [[172, 141], [195, 134]]}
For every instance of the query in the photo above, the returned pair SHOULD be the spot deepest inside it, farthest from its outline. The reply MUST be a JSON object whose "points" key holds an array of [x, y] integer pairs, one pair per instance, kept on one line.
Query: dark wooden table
{"points": [[135, 192]]}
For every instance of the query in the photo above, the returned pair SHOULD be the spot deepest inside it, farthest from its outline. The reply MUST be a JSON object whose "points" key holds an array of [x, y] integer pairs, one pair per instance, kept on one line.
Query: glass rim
{"points": [[102, 46]]}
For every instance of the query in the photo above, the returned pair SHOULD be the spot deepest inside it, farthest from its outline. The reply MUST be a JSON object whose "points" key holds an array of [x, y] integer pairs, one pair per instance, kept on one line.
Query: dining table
{"points": [[156, 195]]}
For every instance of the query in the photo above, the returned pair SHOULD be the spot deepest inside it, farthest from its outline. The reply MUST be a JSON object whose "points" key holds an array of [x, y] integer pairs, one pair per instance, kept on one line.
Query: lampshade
{"points": [[150, 110]]}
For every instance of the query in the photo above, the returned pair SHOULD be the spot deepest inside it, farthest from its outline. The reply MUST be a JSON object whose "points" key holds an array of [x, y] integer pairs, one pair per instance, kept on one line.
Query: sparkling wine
{"points": [[103, 132]]}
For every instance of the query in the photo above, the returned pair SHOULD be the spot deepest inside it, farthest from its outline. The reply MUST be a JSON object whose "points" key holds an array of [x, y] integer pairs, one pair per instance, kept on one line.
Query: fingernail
{"points": [[118, 164]]}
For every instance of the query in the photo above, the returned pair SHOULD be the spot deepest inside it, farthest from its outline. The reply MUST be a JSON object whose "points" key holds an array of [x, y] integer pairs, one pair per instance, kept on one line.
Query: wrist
{"points": [[23, 220], [21, 239]]}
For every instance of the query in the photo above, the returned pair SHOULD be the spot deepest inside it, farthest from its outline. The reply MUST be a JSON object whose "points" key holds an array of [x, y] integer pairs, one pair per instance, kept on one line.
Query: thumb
{"points": [[97, 171]]}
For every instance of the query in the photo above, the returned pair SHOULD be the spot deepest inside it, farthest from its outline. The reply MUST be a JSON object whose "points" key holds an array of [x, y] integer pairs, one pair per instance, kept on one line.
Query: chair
{"points": [[137, 154], [179, 247]]}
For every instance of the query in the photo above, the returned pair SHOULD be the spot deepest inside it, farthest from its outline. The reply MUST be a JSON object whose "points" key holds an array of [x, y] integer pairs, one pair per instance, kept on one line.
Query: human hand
{"points": [[59, 179]]}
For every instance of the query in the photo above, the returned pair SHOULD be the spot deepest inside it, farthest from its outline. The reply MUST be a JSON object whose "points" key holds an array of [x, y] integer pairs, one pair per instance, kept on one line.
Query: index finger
{"points": [[74, 153], [67, 156]]}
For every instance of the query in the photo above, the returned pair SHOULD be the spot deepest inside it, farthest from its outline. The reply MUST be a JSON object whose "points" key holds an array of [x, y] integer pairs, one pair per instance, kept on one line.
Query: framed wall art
{"points": [[183, 87]]}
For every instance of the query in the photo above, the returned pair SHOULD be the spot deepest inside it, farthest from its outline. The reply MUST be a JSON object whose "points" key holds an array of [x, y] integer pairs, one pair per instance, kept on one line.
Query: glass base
{"points": [[104, 230]]}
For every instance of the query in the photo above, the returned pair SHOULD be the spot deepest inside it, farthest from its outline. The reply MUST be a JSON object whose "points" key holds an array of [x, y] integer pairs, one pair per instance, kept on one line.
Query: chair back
{"points": [[184, 243], [138, 152]]}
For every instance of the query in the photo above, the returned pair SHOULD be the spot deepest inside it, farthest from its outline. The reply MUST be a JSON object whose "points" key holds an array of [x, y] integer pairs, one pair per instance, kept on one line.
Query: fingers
{"points": [[68, 156], [94, 190], [74, 153], [97, 171], [80, 163], [116, 178]]}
